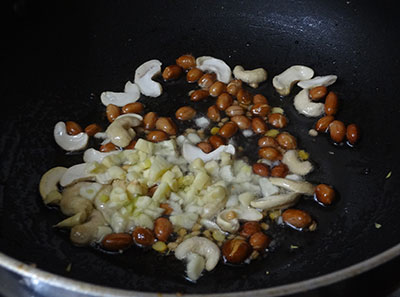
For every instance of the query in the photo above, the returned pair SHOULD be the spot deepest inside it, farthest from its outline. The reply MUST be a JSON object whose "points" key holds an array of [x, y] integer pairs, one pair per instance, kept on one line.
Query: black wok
{"points": [[58, 58]]}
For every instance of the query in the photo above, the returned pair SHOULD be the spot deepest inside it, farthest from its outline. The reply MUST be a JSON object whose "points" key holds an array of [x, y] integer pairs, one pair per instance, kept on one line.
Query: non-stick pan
{"points": [[59, 56]]}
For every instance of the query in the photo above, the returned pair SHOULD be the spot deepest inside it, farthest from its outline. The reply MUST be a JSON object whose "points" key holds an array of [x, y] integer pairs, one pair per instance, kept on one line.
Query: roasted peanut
{"points": [[259, 99], [151, 190], [267, 141], [73, 128], [331, 104], [234, 110], [317, 93], [224, 101], [167, 208], [216, 141], [244, 96], [205, 147], [259, 126], [241, 121], [131, 145], [280, 170], [172, 72], [135, 107], [167, 125], [249, 228], [286, 141], [337, 131], [234, 86], [261, 169], [236, 250], [207, 80], [162, 229], [194, 75], [322, 124], [352, 133], [157, 136], [324, 194], [185, 113], [213, 113], [199, 95], [149, 120], [186, 61], [259, 241], [112, 112], [117, 241], [143, 236], [217, 89], [260, 109], [92, 129], [296, 218], [228, 130], [108, 147], [277, 120], [269, 153]]}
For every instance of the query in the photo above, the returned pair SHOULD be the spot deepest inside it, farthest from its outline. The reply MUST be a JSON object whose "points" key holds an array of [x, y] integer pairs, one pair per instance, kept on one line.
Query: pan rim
{"points": [[56, 281]]}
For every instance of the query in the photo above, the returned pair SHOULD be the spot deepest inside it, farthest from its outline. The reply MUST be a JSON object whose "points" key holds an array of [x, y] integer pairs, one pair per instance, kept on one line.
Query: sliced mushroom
{"points": [[295, 165], [278, 201], [131, 94], [301, 187], [252, 77], [75, 174], [219, 67], [318, 81], [48, 184], [92, 155], [121, 131], [72, 203], [305, 106], [191, 152], [87, 233], [284, 82], [69, 142], [144, 75], [202, 246]]}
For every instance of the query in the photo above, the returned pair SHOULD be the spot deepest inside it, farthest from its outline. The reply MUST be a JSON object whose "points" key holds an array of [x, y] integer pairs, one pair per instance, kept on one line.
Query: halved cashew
{"points": [[191, 152], [144, 75], [72, 203], [87, 233], [70, 222], [252, 77], [131, 94], [326, 81], [295, 165], [219, 67], [75, 174], [195, 266], [305, 106], [202, 246], [228, 219], [278, 201], [284, 82], [121, 131], [92, 155], [69, 142], [301, 187], [48, 184]]}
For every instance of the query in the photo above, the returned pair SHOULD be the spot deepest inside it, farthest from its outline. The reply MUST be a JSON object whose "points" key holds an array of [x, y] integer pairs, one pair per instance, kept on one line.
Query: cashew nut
{"points": [[301, 187], [87, 233], [326, 81], [284, 82], [70, 222], [278, 201], [144, 75], [290, 158], [305, 106], [195, 266], [69, 142], [252, 77], [48, 184], [202, 246], [121, 131], [228, 219], [92, 155], [131, 94], [219, 67], [191, 152], [72, 203], [75, 174]]}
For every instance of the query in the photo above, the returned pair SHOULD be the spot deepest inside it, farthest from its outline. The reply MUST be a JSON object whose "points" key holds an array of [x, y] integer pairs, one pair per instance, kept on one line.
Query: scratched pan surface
{"points": [[58, 58]]}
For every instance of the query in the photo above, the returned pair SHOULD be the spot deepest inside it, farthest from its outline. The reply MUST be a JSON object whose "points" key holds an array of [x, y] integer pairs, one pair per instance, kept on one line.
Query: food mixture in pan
{"points": [[193, 192]]}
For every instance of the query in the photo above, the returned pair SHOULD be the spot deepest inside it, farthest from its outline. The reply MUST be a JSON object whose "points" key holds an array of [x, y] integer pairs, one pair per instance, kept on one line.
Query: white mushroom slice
{"points": [[191, 152], [295, 165], [75, 174], [278, 201], [130, 95], [301, 187], [144, 75], [202, 246], [305, 106], [87, 233], [318, 81], [69, 142], [121, 131], [49, 181], [284, 82], [195, 266], [219, 67], [92, 155], [252, 77]]}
